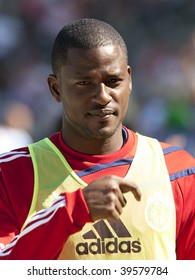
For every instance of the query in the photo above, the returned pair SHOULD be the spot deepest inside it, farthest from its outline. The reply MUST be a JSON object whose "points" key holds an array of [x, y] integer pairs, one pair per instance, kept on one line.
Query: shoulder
{"points": [[14, 156], [17, 181], [178, 160], [16, 168], [21, 157]]}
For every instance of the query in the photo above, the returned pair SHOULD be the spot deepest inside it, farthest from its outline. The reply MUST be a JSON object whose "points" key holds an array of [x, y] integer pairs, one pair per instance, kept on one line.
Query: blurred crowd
{"points": [[160, 37]]}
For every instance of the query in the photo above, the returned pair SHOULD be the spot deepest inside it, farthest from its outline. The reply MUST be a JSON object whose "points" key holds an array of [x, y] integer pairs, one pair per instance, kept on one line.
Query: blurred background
{"points": [[160, 36]]}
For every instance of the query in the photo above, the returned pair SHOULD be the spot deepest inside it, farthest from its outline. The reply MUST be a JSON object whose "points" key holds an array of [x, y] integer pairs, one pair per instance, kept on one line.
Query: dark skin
{"points": [[94, 86]]}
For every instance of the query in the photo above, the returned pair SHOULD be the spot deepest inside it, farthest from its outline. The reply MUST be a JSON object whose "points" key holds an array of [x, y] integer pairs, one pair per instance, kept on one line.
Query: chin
{"points": [[102, 133]]}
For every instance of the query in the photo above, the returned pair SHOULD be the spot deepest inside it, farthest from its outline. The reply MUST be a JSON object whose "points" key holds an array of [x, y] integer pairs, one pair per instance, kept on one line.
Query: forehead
{"points": [[89, 59]]}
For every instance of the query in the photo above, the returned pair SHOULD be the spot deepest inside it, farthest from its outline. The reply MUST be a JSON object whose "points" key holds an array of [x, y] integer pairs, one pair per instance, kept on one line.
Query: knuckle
{"points": [[111, 178], [111, 198], [111, 211], [113, 186]]}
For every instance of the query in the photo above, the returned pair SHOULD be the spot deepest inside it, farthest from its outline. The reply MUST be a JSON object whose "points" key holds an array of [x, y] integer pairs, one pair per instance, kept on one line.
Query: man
{"points": [[96, 190]]}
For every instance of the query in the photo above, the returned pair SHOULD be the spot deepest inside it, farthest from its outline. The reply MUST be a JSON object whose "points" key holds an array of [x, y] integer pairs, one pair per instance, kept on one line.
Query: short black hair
{"points": [[86, 33]]}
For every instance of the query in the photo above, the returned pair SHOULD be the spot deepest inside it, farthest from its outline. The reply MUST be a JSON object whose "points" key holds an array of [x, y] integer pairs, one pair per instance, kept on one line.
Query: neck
{"points": [[94, 146]]}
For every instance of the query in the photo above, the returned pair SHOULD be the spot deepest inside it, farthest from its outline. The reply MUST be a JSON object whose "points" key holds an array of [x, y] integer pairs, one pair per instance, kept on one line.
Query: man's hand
{"points": [[105, 199]]}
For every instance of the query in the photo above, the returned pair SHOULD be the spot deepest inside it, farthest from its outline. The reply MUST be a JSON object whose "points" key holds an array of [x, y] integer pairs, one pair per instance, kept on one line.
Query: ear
{"points": [[54, 87], [130, 79]]}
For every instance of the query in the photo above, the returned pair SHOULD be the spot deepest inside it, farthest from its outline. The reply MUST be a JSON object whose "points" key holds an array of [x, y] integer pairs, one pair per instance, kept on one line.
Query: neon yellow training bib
{"points": [[146, 229]]}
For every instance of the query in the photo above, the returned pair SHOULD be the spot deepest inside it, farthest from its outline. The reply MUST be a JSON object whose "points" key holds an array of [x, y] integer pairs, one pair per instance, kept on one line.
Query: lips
{"points": [[103, 113]]}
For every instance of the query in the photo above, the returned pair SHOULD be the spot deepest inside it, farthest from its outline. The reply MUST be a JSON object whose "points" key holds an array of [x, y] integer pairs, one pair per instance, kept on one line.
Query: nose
{"points": [[102, 95]]}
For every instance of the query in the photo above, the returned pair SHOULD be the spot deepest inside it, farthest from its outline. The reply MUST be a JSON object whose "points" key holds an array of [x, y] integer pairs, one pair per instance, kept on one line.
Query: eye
{"points": [[83, 83], [113, 81]]}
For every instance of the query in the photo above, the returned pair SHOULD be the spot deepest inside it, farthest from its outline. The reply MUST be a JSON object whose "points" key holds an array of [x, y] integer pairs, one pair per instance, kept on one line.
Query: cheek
{"points": [[72, 107], [124, 100], [125, 106]]}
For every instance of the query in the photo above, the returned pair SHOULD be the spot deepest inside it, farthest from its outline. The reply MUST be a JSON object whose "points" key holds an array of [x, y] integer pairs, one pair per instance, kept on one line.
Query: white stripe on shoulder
{"points": [[14, 157], [12, 153]]}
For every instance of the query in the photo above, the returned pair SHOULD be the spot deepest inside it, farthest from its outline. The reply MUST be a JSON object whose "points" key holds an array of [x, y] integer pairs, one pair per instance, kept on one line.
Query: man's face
{"points": [[94, 87]]}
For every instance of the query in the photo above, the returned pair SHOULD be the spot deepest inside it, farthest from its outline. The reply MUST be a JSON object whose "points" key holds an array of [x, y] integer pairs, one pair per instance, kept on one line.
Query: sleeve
{"points": [[181, 168], [185, 209], [56, 223]]}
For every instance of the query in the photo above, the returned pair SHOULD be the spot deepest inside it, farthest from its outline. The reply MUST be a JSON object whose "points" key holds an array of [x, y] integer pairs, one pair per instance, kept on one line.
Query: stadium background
{"points": [[160, 36]]}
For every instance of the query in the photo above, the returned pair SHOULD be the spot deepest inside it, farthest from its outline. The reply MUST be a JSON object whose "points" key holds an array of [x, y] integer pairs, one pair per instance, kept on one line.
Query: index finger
{"points": [[129, 186]]}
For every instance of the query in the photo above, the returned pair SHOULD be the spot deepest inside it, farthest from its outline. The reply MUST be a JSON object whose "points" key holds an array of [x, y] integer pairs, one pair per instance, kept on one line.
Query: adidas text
{"points": [[103, 247]]}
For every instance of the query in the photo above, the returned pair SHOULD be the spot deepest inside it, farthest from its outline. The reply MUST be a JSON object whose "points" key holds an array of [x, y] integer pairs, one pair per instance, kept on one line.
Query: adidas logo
{"points": [[109, 237]]}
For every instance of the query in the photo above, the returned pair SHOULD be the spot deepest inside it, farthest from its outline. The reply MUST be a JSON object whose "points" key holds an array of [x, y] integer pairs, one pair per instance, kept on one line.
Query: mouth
{"points": [[102, 114]]}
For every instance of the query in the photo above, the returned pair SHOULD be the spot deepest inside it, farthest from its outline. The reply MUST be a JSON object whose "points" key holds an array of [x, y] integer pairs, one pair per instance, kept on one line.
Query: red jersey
{"points": [[64, 217]]}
